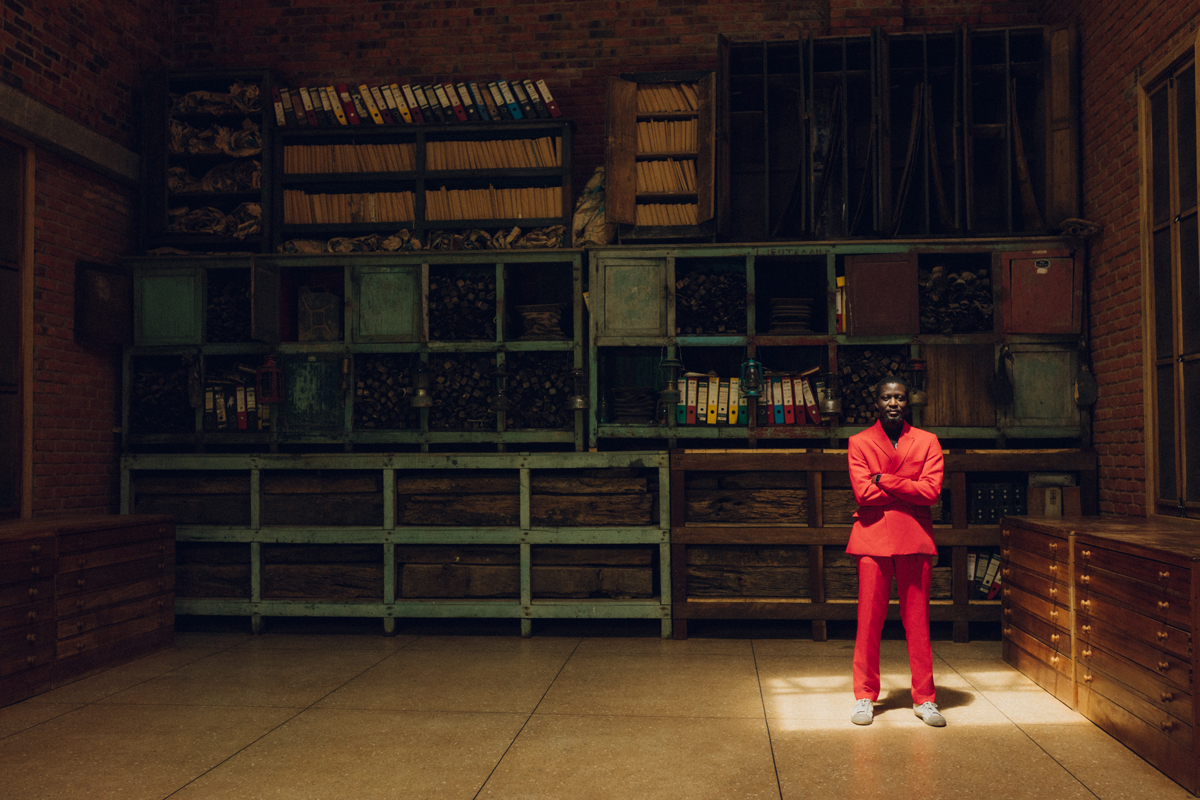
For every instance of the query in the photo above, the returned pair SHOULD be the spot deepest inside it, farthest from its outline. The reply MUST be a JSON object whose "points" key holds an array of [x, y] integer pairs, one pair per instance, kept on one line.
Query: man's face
{"points": [[892, 403]]}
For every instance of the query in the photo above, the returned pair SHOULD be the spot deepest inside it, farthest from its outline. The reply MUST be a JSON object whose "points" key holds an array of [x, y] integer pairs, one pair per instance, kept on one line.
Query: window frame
{"points": [[1152, 80]]}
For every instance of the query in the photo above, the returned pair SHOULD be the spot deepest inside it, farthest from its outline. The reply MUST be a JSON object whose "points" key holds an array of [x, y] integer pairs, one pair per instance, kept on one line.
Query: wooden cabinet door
{"points": [[387, 304], [882, 294], [634, 299], [168, 307]]}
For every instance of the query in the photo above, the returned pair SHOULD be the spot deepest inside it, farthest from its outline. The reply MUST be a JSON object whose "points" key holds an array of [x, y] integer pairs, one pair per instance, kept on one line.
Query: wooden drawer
{"points": [[1038, 628], [1150, 707], [90, 580], [1060, 661], [1041, 544], [26, 570], [100, 637], [80, 604], [24, 593], [1143, 598], [1174, 579], [1057, 615], [1019, 578], [154, 548], [1151, 679], [23, 648], [26, 549], [1036, 563], [1104, 614], [78, 541], [26, 614], [113, 615], [1044, 675], [1151, 742]]}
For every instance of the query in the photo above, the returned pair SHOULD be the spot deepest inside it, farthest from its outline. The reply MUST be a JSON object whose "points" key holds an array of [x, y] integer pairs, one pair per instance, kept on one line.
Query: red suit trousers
{"points": [[913, 579]]}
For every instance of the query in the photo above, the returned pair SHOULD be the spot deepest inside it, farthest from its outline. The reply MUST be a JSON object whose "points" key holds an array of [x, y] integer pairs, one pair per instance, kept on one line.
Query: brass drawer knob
{"points": [[160, 603], [83, 562], [1166, 697], [1163, 666], [1085, 603], [1162, 635], [1008, 631], [31, 638], [1054, 637], [1087, 653], [1164, 575], [33, 592], [1086, 628], [1054, 547], [79, 582], [1007, 591], [1006, 572], [1086, 553], [1167, 725], [1008, 612], [1087, 678], [1053, 591], [35, 570], [1054, 567], [1053, 659], [1005, 532], [1163, 605], [35, 548], [1005, 552], [1085, 578], [32, 616]]}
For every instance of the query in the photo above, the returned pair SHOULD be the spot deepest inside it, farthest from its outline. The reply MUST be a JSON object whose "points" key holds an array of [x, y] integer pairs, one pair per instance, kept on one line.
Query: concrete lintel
{"points": [[58, 133]]}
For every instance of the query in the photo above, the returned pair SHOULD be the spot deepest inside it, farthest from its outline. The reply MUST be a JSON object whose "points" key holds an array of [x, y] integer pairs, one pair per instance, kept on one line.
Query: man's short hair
{"points": [[877, 389]]}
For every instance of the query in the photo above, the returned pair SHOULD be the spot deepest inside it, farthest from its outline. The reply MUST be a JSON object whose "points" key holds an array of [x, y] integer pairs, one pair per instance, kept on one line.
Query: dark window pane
{"points": [[10, 327], [1189, 284], [10, 450], [1159, 142], [1191, 430], [10, 203], [1164, 346], [1186, 120], [1165, 389]]}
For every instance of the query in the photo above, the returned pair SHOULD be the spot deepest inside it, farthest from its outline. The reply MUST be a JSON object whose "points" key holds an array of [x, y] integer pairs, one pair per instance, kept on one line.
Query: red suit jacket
{"points": [[893, 517]]}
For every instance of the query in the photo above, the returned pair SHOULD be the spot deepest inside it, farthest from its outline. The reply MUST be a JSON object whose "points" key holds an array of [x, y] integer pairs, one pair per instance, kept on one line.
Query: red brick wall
{"points": [[83, 59], [574, 44], [1119, 41], [77, 215]]}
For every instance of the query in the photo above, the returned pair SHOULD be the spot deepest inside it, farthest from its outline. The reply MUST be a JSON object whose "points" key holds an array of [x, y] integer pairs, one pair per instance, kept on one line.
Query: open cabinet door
{"points": [[1062, 123], [620, 152], [264, 301], [706, 150]]}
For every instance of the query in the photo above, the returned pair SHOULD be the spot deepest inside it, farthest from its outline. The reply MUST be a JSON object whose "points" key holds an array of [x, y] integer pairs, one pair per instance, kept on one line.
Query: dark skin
{"points": [[891, 404]]}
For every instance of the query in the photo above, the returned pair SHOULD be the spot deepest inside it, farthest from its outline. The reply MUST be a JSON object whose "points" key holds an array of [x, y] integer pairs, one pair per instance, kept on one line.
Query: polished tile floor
{"points": [[424, 715]]}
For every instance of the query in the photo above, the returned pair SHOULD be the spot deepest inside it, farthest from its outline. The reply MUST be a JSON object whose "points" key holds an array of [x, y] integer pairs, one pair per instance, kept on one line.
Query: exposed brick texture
{"points": [[1119, 41]]}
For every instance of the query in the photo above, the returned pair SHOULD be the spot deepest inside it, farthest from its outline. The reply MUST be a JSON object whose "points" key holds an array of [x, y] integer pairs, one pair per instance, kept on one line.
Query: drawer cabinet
{"points": [[1036, 603], [81, 594], [1132, 589]]}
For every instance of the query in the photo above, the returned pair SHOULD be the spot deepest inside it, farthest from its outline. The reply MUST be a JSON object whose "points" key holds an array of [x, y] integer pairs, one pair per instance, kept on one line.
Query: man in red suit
{"points": [[896, 473]]}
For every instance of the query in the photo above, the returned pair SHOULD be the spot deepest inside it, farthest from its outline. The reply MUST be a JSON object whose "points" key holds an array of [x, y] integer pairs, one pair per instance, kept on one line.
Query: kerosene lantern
{"points": [[752, 378], [830, 401], [916, 379], [578, 401], [501, 402], [670, 395], [420, 384], [268, 382]]}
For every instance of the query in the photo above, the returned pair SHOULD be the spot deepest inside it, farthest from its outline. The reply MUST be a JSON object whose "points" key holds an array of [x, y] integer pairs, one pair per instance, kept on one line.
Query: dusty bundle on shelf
{"points": [[539, 386], [301, 208], [380, 401], [158, 400], [300, 159], [462, 307], [543, 153], [860, 369], [667, 97], [232, 176], [508, 239], [791, 315], [669, 175], [667, 214], [710, 302], [241, 222], [491, 203], [183, 138], [542, 321], [461, 387], [372, 243], [242, 98], [955, 302], [667, 136]]}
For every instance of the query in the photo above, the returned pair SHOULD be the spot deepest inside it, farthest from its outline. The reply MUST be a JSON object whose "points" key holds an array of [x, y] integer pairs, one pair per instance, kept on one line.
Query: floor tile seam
{"points": [[525, 724], [1060, 764], [645, 716], [43, 722], [767, 721]]}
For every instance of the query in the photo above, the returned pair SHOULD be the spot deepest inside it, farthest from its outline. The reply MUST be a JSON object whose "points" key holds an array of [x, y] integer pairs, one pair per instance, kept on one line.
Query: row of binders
{"points": [[305, 159], [301, 208], [420, 104], [230, 407], [671, 176], [711, 400], [667, 97], [667, 214], [789, 400], [676, 136], [543, 153], [492, 203], [983, 575]]}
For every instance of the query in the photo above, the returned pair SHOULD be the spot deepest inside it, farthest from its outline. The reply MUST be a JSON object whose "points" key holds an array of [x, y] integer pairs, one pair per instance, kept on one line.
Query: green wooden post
{"points": [[664, 549], [256, 623], [389, 552], [526, 558]]}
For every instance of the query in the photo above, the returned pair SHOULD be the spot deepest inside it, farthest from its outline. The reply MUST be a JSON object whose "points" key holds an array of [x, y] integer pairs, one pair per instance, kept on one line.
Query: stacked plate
{"points": [[633, 404], [791, 315], [542, 321]]}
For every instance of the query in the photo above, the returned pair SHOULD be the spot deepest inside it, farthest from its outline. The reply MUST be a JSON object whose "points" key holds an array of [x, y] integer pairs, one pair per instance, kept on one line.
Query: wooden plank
{"points": [[751, 582], [592, 509], [741, 556], [291, 483], [461, 482], [754, 506], [620, 151], [204, 483], [212, 509], [211, 553], [323, 509], [322, 554], [612, 582], [957, 385], [323, 581], [572, 483], [212, 580], [483, 510]]}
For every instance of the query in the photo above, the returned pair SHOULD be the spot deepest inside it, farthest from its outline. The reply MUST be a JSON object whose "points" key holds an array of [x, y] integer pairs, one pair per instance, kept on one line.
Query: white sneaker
{"points": [[864, 712], [930, 714]]}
